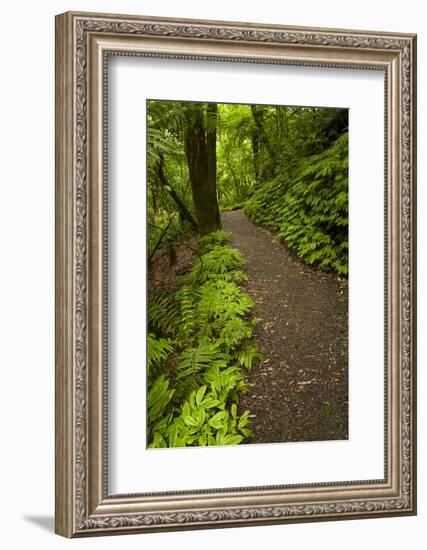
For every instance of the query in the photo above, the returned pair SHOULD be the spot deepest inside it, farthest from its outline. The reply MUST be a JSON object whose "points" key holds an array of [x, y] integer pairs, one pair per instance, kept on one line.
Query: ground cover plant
{"points": [[213, 357]]}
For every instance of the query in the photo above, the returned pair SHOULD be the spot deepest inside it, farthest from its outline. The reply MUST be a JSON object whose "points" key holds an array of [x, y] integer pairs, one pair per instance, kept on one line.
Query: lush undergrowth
{"points": [[307, 206], [199, 343]]}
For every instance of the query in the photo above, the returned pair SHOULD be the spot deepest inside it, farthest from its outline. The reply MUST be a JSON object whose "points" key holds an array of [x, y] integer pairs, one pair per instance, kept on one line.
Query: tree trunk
{"points": [[200, 150], [185, 214], [211, 126], [267, 170], [255, 151]]}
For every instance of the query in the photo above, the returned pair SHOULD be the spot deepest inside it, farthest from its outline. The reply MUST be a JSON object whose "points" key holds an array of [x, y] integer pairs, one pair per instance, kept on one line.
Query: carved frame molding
{"points": [[83, 42]]}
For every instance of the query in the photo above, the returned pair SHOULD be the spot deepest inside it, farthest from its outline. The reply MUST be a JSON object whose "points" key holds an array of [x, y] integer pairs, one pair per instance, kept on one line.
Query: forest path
{"points": [[300, 393]]}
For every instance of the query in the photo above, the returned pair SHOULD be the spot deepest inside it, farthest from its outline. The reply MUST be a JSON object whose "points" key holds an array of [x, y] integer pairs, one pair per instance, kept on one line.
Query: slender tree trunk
{"points": [[267, 170], [183, 210], [255, 151], [282, 121], [202, 168], [211, 131]]}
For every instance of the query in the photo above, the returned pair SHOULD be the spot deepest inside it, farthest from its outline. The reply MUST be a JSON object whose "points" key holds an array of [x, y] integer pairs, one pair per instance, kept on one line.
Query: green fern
{"points": [[194, 360], [201, 337], [247, 353], [185, 299], [163, 313], [159, 396], [217, 261], [308, 207], [158, 350], [216, 238]]}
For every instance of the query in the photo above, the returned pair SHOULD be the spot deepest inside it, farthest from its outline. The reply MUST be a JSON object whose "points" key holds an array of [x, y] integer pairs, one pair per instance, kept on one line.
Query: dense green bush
{"points": [[307, 205], [200, 338]]}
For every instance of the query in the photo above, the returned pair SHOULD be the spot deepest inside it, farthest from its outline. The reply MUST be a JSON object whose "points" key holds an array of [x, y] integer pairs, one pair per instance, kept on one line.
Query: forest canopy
{"points": [[286, 166], [287, 169]]}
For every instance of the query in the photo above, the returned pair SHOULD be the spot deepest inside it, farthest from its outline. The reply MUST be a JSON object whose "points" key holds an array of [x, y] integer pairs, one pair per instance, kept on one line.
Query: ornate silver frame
{"points": [[83, 42]]}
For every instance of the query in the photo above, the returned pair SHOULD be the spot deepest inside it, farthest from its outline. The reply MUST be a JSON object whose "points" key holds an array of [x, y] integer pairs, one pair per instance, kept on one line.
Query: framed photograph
{"points": [[235, 274]]}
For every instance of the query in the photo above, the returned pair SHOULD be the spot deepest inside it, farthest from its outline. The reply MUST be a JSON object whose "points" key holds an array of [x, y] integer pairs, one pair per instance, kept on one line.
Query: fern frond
{"points": [[163, 313], [194, 360], [158, 350]]}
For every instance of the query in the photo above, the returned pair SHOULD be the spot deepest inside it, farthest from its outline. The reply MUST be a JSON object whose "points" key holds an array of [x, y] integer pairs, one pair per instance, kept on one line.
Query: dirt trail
{"points": [[300, 393]]}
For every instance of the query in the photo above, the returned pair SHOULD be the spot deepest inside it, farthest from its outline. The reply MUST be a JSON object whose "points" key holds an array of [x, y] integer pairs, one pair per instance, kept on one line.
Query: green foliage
{"points": [[219, 263], [165, 155], [308, 207], [158, 350], [247, 353], [288, 167], [200, 339], [159, 395], [235, 169], [210, 240], [194, 360], [163, 311]]}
